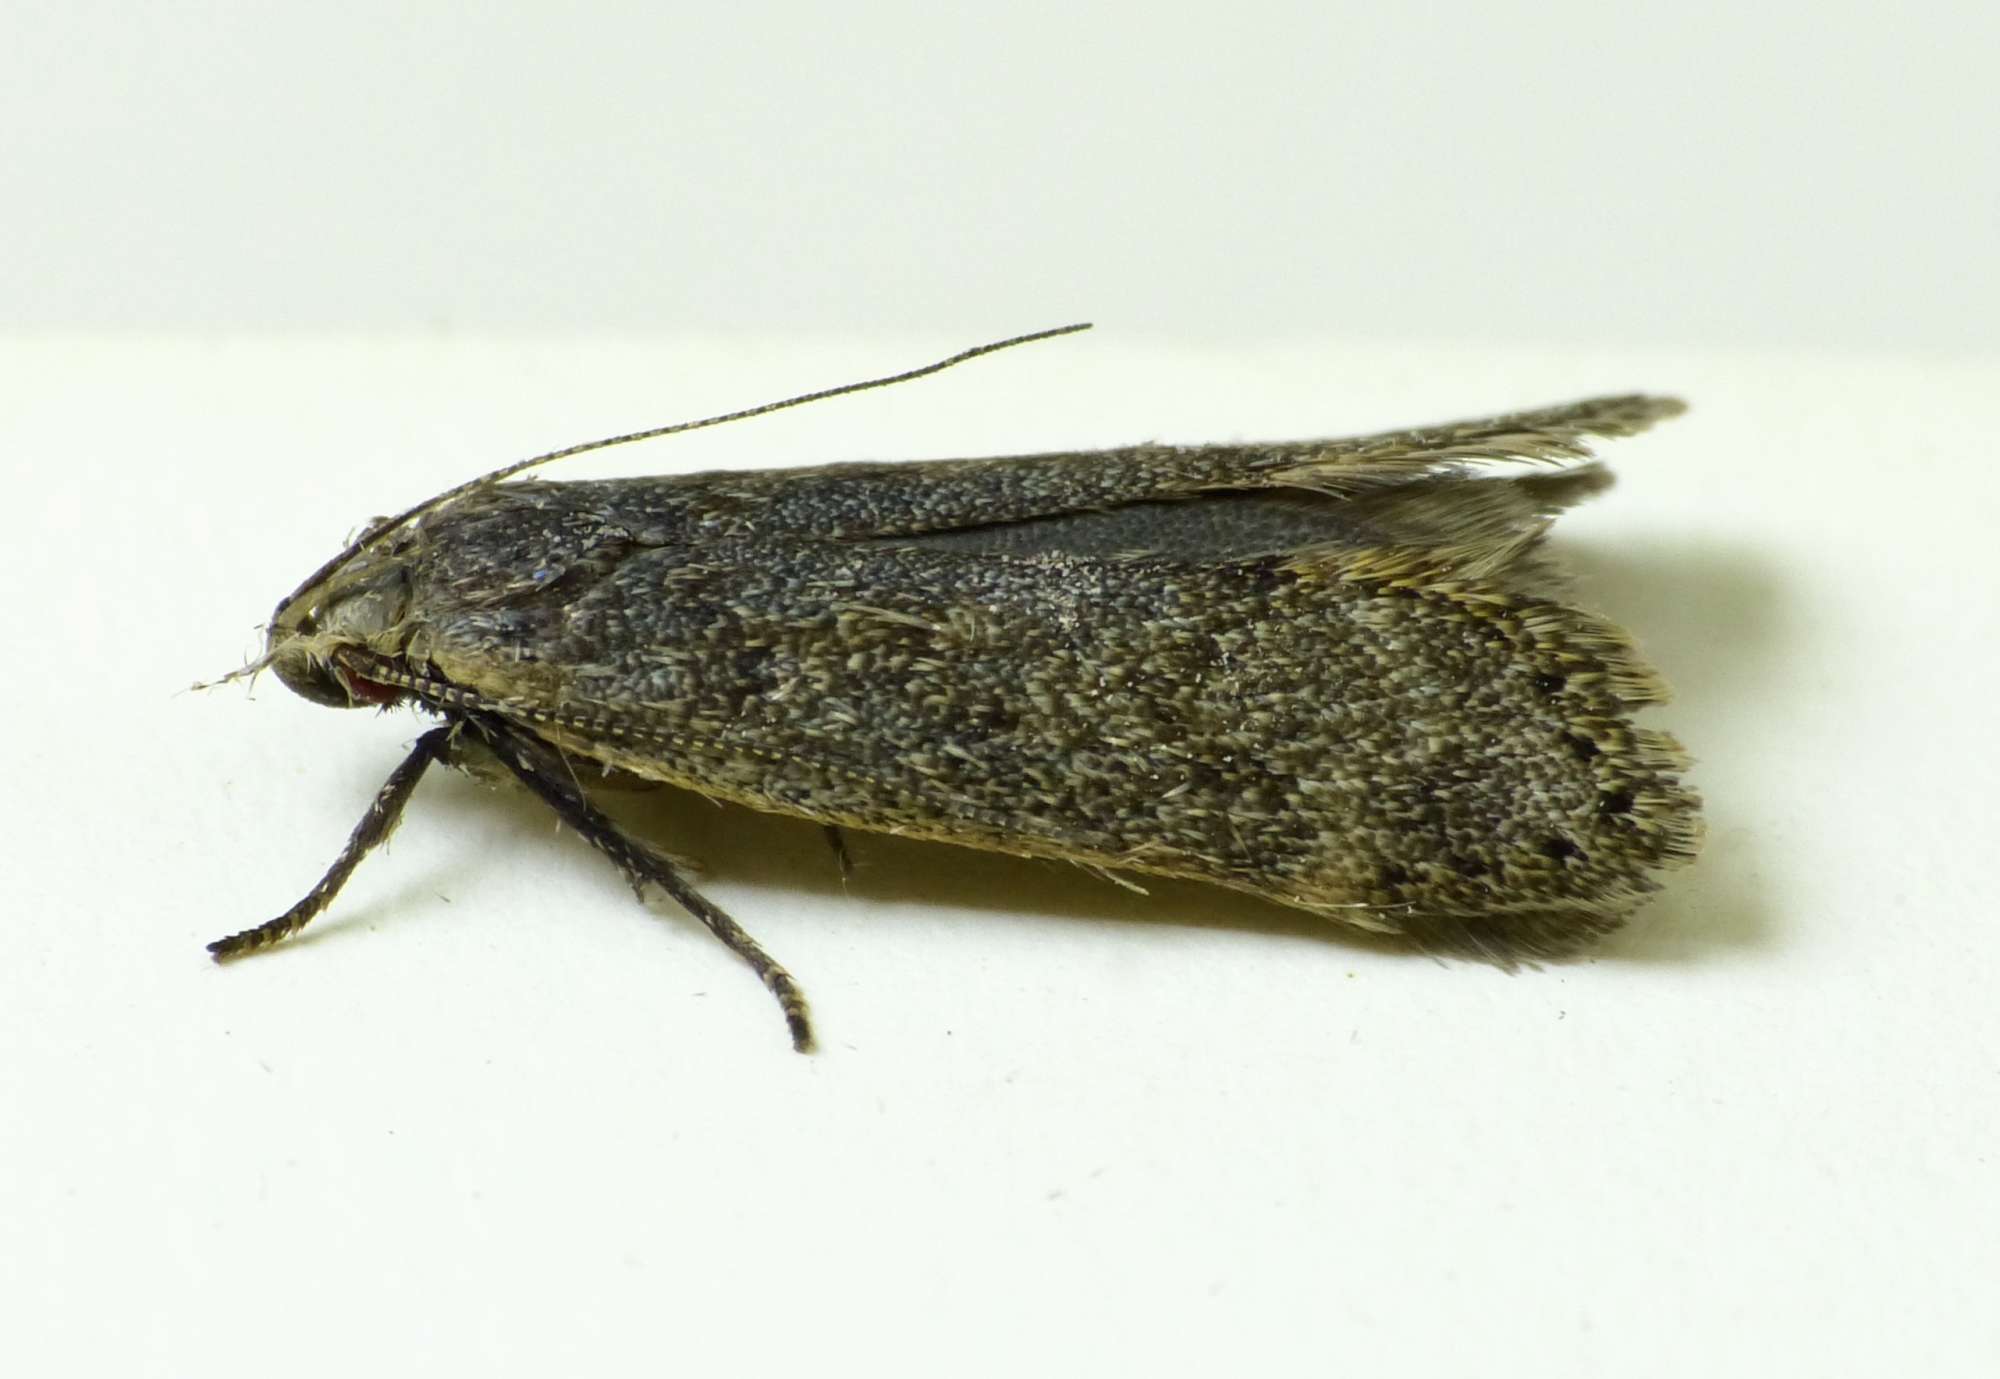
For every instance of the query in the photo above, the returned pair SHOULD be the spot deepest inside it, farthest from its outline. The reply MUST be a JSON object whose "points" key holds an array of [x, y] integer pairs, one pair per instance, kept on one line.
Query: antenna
{"points": [[382, 529]]}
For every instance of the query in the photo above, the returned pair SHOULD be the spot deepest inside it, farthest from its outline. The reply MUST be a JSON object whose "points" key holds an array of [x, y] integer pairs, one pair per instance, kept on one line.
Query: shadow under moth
{"points": [[1336, 674]]}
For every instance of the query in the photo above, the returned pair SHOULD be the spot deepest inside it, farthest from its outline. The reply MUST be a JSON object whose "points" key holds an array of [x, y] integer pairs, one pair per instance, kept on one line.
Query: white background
{"points": [[271, 269], [1703, 172]]}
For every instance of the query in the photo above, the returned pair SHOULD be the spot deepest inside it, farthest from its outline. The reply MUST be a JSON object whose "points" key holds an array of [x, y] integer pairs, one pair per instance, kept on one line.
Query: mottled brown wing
{"points": [[1439, 488], [880, 500], [1372, 732]]}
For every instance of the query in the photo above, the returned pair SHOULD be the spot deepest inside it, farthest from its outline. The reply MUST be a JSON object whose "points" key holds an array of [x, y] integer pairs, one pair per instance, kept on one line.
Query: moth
{"points": [[1338, 674]]}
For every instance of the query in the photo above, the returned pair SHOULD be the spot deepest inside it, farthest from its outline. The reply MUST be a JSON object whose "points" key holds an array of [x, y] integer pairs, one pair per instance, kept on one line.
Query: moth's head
{"points": [[318, 635]]}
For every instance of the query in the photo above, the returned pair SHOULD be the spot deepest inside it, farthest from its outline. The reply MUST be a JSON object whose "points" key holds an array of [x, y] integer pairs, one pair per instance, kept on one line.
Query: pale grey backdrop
{"points": [[1780, 174]]}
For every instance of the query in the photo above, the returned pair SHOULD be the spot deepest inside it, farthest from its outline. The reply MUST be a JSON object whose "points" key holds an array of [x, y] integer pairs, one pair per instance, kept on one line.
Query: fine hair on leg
{"points": [[538, 767], [837, 840], [374, 828]]}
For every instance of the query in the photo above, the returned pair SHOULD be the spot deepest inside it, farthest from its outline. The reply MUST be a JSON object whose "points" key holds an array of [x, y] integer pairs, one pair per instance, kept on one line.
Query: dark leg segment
{"points": [[375, 826], [542, 771], [837, 840]]}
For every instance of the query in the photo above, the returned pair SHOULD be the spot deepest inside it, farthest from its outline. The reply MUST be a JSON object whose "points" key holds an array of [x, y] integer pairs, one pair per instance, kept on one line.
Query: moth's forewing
{"points": [[1318, 671]]}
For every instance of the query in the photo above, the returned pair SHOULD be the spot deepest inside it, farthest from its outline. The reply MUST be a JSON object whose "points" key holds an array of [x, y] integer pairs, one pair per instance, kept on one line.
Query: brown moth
{"points": [[1337, 674]]}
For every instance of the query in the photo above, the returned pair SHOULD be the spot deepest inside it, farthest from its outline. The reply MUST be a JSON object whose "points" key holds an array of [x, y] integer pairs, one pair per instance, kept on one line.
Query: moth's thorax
{"points": [[362, 606]]}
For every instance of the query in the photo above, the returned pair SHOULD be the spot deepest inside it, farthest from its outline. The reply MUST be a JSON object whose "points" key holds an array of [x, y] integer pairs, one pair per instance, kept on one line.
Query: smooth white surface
{"points": [[1798, 172], [490, 1116]]}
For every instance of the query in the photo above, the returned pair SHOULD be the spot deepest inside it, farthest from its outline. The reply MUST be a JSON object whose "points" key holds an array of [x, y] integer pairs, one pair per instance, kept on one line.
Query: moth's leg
{"points": [[837, 840], [374, 827], [547, 776], [474, 756]]}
